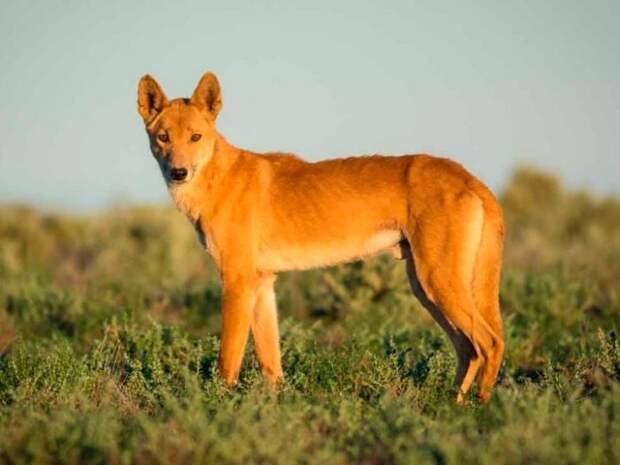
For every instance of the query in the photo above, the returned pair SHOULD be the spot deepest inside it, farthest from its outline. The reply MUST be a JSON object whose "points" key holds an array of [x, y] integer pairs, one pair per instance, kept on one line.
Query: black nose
{"points": [[178, 174]]}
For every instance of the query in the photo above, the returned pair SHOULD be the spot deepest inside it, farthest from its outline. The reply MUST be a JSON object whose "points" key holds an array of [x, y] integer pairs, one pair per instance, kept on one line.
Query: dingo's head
{"points": [[181, 131]]}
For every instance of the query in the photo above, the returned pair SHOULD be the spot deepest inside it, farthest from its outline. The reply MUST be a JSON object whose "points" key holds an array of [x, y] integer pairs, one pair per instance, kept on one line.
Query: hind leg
{"points": [[485, 288], [444, 250], [468, 359], [457, 306], [493, 360]]}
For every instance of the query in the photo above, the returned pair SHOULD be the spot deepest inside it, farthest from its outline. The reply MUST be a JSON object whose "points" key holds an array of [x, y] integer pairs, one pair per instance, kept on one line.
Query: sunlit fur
{"points": [[258, 214]]}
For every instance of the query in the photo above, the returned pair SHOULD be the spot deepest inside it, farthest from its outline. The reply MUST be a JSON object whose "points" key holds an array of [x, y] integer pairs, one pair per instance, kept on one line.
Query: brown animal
{"points": [[258, 214]]}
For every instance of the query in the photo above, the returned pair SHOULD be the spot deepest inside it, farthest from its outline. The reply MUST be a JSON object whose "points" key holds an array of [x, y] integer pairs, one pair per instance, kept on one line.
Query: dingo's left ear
{"points": [[208, 95], [151, 99]]}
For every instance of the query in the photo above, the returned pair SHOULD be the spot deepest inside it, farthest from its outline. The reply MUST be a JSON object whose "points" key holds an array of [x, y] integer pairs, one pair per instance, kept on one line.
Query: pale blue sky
{"points": [[491, 84]]}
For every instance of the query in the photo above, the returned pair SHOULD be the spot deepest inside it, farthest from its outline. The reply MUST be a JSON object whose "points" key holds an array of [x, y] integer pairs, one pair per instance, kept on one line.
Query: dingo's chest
{"points": [[205, 238], [201, 236]]}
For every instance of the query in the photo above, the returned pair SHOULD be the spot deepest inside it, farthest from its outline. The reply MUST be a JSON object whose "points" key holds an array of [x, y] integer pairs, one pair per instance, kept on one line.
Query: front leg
{"points": [[238, 304], [265, 330]]}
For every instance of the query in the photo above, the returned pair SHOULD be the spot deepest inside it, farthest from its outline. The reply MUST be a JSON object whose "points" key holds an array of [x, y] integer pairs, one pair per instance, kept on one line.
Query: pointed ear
{"points": [[151, 99], [208, 95]]}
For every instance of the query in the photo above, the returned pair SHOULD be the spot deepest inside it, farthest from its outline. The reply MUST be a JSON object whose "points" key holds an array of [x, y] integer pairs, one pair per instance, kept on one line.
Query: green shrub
{"points": [[109, 331]]}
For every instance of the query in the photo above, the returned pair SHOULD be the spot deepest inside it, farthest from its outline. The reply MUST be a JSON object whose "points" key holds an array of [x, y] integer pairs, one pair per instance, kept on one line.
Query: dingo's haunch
{"points": [[258, 214]]}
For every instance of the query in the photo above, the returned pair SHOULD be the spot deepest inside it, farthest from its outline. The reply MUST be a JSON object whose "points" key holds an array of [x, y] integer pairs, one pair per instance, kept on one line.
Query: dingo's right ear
{"points": [[151, 99]]}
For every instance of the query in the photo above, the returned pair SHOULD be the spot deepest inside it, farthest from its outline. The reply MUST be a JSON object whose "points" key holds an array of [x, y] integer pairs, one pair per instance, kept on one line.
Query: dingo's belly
{"points": [[298, 256]]}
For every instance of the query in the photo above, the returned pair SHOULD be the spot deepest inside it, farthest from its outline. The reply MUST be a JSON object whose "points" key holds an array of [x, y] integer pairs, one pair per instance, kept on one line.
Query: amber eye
{"points": [[196, 137], [163, 137]]}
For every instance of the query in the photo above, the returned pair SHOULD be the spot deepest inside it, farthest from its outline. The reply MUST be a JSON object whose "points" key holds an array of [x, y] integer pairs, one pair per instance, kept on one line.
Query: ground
{"points": [[109, 328]]}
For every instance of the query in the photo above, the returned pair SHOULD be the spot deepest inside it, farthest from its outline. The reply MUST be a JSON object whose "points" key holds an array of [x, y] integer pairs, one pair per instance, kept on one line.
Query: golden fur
{"points": [[258, 214]]}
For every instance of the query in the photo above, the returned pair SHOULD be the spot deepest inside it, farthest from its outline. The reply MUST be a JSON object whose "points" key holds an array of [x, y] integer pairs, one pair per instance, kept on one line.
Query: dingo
{"points": [[258, 214]]}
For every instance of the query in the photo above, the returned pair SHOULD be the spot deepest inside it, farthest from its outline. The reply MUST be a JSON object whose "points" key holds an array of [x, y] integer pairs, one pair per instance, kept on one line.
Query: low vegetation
{"points": [[109, 330]]}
